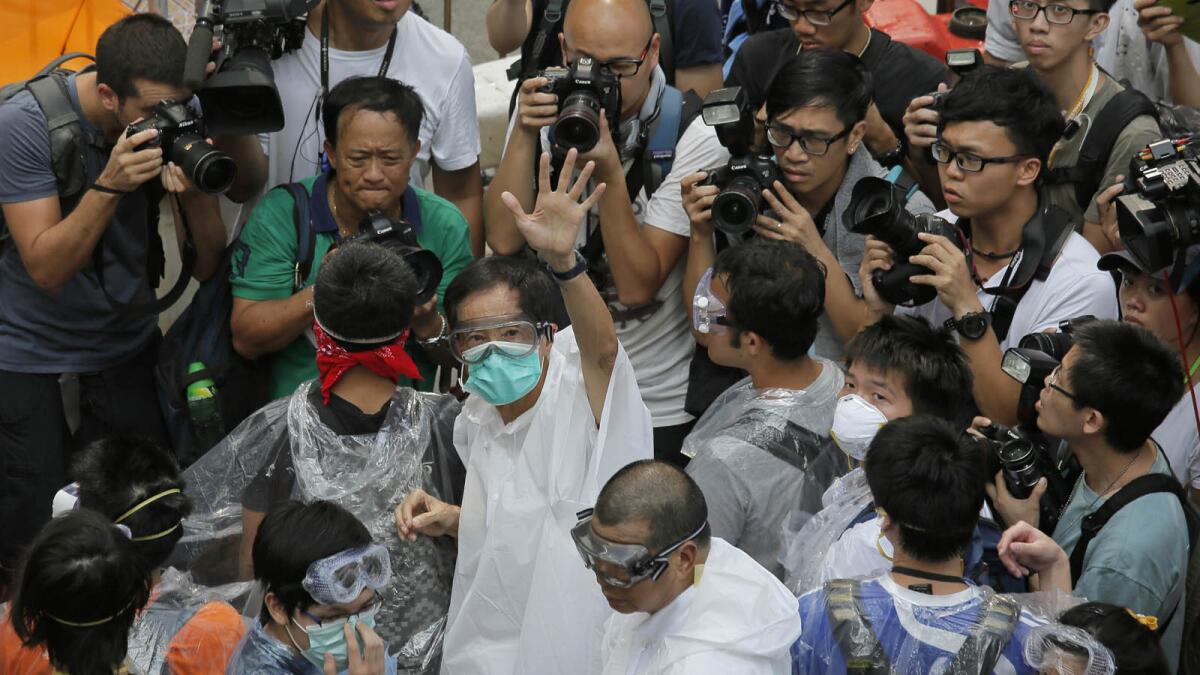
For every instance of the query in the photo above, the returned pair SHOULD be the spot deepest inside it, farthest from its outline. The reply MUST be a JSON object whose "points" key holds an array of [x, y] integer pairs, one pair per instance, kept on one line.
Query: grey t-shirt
{"points": [[75, 329], [754, 454]]}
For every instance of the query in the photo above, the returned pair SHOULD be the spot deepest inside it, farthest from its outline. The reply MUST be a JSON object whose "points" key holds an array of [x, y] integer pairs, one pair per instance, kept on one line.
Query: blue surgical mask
{"points": [[330, 638], [501, 377]]}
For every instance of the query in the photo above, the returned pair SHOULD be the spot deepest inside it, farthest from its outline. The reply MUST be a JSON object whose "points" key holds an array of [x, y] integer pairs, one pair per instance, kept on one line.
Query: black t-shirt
{"points": [[899, 73]]}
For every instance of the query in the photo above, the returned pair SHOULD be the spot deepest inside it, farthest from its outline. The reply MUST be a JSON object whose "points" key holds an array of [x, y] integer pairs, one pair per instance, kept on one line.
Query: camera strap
{"points": [[383, 66], [156, 261], [1041, 242]]}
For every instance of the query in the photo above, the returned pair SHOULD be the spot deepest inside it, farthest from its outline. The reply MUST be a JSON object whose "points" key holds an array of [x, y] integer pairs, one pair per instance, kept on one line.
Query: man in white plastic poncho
{"points": [[550, 418], [687, 602]]}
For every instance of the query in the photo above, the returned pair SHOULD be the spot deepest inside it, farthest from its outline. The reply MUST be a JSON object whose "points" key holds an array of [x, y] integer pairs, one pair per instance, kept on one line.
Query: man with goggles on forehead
{"points": [[321, 573], [686, 602], [551, 416]]}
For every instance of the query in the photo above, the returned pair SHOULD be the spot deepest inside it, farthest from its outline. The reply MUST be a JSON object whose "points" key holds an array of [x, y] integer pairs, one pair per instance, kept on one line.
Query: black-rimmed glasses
{"points": [[968, 161], [817, 17], [781, 136], [1057, 13]]}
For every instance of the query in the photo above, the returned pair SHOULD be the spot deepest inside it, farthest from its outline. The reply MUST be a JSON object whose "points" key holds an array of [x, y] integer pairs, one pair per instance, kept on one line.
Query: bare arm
{"points": [[508, 23], [251, 165], [1162, 25], [251, 520], [464, 189], [700, 79], [265, 326], [1185, 80], [515, 173]]}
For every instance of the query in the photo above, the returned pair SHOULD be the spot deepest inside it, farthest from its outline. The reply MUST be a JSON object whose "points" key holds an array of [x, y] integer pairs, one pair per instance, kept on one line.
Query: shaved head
{"points": [[659, 494], [622, 20]]}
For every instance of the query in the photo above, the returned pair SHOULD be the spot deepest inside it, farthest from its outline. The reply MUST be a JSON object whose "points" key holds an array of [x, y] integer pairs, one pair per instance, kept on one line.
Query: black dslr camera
{"points": [[1016, 455], [1033, 359], [181, 136], [1158, 215], [960, 62], [240, 97], [743, 178], [877, 209], [399, 236], [583, 90]]}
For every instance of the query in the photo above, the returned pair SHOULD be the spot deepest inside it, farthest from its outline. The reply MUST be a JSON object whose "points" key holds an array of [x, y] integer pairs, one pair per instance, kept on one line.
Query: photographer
{"points": [[371, 131], [634, 242], [77, 280], [1025, 270], [816, 110], [1115, 385], [356, 38]]}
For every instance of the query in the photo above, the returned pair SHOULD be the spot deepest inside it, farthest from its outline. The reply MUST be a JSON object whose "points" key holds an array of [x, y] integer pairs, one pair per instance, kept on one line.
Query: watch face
{"points": [[973, 326]]}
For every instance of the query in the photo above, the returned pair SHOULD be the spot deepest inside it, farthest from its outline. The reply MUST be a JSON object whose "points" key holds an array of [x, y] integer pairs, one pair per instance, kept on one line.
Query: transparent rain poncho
{"points": [[367, 475], [1067, 650], [808, 539]]}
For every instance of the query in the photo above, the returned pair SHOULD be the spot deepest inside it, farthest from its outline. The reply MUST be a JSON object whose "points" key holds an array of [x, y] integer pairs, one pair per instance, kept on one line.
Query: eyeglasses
{"points": [[626, 67], [967, 161], [1052, 382], [1027, 10], [514, 339], [816, 17], [782, 137]]}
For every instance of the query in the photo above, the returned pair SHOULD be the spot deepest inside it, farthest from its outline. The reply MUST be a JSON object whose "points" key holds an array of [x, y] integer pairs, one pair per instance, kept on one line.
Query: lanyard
{"points": [[383, 67], [1192, 370], [1081, 102]]}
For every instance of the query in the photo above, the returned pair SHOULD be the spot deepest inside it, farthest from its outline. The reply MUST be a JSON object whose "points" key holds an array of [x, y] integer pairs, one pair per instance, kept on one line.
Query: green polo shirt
{"points": [[265, 256]]}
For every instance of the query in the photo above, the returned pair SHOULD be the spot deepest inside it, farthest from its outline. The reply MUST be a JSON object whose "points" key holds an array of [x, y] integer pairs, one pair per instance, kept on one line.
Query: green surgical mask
{"points": [[501, 378], [330, 638]]}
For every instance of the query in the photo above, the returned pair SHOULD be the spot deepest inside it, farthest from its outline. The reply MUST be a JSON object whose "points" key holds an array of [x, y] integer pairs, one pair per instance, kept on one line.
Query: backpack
{"points": [[202, 334], [68, 144], [1137, 488]]}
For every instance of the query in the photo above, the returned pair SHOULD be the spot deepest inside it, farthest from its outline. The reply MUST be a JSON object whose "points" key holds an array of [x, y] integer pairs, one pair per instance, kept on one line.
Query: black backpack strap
{"points": [[984, 645], [544, 29], [855, 638], [1046, 243], [306, 234], [1102, 134], [666, 45], [68, 140], [1092, 523]]}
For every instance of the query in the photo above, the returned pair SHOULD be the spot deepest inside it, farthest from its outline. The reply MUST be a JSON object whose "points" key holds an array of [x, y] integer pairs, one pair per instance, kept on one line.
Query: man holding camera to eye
{"points": [[635, 240], [371, 137], [1114, 386], [1020, 267], [77, 278]]}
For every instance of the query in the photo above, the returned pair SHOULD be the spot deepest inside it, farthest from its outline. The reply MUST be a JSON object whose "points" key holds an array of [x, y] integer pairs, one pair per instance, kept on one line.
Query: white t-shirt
{"points": [[426, 58], [1074, 287], [660, 346], [1180, 442]]}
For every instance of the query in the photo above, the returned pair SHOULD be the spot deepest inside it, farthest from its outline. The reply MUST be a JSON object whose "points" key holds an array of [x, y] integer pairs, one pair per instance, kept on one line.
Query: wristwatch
{"points": [[579, 268], [433, 341], [972, 325], [893, 157]]}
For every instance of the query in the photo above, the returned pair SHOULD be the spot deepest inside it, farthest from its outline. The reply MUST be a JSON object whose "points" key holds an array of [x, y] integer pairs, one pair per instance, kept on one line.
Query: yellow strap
{"points": [[147, 501]]}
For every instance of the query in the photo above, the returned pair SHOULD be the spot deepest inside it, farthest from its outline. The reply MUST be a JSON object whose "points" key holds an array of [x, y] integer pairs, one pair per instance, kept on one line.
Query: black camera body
{"points": [[960, 62], [399, 236], [240, 97], [1158, 215], [743, 178], [583, 90], [1033, 359], [1015, 455], [877, 209], [181, 136]]}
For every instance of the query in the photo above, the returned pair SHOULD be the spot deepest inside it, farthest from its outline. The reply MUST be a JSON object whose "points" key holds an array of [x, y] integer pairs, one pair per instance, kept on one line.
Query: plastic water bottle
{"points": [[205, 411]]}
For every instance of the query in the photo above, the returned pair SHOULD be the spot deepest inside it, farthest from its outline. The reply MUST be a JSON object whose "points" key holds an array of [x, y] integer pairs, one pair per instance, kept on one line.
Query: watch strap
{"points": [[579, 268]]}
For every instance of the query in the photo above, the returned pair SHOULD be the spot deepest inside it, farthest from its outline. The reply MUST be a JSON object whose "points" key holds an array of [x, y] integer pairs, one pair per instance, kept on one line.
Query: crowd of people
{"points": [[774, 345]]}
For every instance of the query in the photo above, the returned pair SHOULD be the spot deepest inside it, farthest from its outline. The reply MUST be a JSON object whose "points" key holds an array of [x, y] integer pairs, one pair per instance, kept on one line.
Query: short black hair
{"points": [[822, 77], [929, 478], [776, 289], [118, 473], [141, 46], [363, 291], [80, 569], [536, 293], [659, 493], [1127, 373], [937, 376], [1015, 99], [1134, 647], [375, 94], [294, 536]]}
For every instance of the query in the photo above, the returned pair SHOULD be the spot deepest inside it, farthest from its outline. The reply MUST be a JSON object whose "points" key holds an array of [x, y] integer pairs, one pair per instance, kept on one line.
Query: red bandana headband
{"points": [[333, 360]]}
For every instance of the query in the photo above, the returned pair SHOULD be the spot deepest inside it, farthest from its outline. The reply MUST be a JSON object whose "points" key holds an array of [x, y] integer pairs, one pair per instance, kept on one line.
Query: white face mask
{"points": [[855, 423]]}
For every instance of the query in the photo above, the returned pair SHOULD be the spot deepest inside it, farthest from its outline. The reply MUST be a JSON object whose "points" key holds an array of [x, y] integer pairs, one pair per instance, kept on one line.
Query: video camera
{"points": [[399, 236], [1033, 359], [1158, 215], [181, 136], [583, 90], [743, 178], [877, 208], [240, 97]]}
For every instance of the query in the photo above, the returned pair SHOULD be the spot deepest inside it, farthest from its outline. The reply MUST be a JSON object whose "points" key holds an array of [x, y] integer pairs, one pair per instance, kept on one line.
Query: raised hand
{"points": [[552, 228]]}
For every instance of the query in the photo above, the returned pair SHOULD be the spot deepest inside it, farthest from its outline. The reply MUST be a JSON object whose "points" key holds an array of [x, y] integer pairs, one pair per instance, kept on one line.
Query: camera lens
{"points": [[210, 169], [1020, 467], [736, 207], [1054, 345], [578, 124]]}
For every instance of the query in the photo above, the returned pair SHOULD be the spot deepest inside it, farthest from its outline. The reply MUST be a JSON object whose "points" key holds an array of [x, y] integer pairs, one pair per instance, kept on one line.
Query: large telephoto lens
{"points": [[578, 124], [736, 207], [208, 168]]}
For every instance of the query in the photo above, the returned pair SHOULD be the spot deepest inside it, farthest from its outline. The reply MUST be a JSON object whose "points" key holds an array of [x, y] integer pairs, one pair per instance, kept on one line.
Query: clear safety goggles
{"points": [[514, 338], [340, 578], [709, 315], [621, 565], [1067, 650]]}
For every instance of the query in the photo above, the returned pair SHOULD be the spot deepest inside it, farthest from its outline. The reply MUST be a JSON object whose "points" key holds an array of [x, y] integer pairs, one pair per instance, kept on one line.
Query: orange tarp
{"points": [[34, 32]]}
